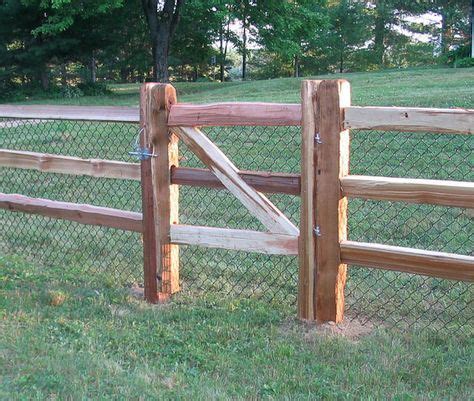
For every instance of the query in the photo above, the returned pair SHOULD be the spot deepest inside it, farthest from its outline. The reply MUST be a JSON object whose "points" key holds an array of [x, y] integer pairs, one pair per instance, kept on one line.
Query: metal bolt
{"points": [[317, 231], [317, 139]]}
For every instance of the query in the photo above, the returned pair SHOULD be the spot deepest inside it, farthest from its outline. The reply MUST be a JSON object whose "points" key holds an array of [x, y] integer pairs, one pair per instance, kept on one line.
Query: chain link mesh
{"points": [[115, 256], [275, 149], [98, 254], [402, 299]]}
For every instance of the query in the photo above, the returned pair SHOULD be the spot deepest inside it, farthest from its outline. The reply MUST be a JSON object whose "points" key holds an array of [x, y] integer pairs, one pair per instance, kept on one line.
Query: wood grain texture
{"points": [[332, 163], [150, 243], [267, 182], [164, 144], [84, 214], [435, 192], [416, 261], [50, 163], [307, 257], [256, 203], [81, 113], [453, 121], [239, 240], [228, 114]]}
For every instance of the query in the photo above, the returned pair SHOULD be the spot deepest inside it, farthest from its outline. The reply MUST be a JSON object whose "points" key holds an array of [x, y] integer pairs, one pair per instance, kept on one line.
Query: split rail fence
{"points": [[324, 185]]}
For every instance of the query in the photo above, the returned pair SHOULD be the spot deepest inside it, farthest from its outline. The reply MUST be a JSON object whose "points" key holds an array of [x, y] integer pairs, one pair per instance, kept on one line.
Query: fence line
{"points": [[324, 186]]}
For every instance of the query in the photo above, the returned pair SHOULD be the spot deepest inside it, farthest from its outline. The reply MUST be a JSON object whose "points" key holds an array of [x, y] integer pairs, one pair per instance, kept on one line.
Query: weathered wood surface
{"points": [[257, 204], [159, 99], [20, 123], [435, 192], [332, 163], [267, 182], [150, 243], [416, 261], [84, 214], [50, 163], [307, 246], [241, 240], [227, 114], [457, 121], [81, 113]]}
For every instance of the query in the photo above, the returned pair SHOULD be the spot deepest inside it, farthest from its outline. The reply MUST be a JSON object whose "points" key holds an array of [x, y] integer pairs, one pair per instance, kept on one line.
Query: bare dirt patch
{"points": [[350, 329]]}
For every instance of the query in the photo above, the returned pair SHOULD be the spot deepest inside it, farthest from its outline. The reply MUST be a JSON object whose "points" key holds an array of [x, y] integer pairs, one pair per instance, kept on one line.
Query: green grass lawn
{"points": [[69, 328]]}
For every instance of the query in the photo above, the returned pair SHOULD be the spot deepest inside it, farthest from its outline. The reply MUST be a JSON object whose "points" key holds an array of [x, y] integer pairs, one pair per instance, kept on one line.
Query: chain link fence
{"points": [[402, 299], [112, 256], [96, 255]]}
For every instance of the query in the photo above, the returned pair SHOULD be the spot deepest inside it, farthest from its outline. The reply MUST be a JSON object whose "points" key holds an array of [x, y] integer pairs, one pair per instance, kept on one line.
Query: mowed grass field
{"points": [[70, 329]]}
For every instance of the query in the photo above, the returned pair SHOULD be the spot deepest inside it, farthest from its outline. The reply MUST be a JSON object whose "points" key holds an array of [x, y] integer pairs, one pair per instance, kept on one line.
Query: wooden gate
{"points": [[162, 231]]}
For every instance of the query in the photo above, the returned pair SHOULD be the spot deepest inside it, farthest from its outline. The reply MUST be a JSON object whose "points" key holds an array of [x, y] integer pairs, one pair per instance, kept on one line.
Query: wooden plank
{"points": [[435, 192], [235, 113], [20, 123], [453, 121], [150, 243], [409, 260], [332, 163], [262, 181], [81, 113], [50, 163], [267, 182], [257, 204], [159, 98], [237, 240], [84, 214], [307, 259]]}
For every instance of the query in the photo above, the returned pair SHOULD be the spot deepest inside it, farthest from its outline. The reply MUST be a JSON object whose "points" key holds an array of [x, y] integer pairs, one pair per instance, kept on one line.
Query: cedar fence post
{"points": [[307, 246], [159, 197], [325, 160]]}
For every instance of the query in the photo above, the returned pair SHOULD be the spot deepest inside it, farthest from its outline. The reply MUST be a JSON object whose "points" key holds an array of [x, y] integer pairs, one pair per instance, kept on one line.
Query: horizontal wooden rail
{"points": [[435, 192], [262, 181], [256, 114], [409, 260], [81, 113], [84, 214], [226, 114], [213, 237], [454, 121], [242, 240], [49, 163]]}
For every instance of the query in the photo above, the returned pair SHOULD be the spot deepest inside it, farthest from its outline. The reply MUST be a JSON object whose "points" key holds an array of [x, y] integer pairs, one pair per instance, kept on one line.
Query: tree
{"points": [[348, 29], [162, 17], [288, 28]]}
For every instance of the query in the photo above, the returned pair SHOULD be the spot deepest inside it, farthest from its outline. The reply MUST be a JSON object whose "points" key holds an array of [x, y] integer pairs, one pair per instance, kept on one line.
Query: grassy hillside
{"points": [[417, 87], [63, 336]]}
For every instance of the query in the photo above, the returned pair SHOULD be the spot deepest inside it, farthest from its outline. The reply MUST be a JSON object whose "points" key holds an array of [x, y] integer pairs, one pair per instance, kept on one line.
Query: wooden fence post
{"points": [[325, 160], [159, 197], [307, 246]]}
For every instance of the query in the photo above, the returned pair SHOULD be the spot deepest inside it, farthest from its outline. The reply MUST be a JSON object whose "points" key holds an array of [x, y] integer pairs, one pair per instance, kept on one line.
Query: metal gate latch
{"points": [[139, 152]]}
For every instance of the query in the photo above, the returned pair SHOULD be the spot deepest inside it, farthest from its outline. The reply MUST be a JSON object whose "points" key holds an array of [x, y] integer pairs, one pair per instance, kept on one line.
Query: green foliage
{"points": [[71, 92], [465, 62], [93, 88]]}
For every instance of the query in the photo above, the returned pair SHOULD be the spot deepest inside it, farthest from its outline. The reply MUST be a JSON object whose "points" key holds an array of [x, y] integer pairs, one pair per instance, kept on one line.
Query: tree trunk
{"points": [[244, 52], [444, 33], [221, 53], [472, 29], [63, 75], [162, 24], [44, 78], [93, 69], [161, 56], [296, 67], [379, 36]]}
